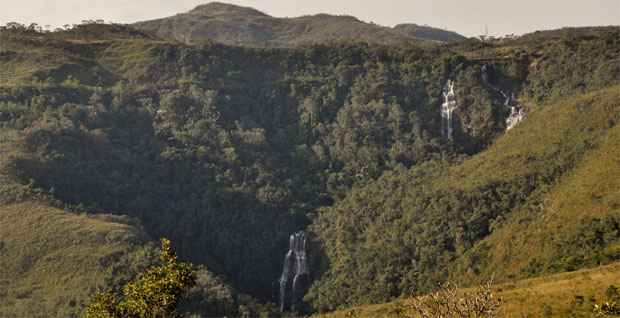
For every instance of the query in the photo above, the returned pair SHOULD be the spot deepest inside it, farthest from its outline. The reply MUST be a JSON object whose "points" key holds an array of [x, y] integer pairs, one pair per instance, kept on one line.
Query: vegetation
{"points": [[52, 261], [228, 150], [428, 33], [155, 293], [448, 303], [414, 228], [266, 147], [573, 295], [234, 25]]}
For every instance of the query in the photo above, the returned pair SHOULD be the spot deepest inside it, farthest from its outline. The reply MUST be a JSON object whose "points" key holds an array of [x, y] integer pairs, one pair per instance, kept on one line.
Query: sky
{"points": [[467, 17]]}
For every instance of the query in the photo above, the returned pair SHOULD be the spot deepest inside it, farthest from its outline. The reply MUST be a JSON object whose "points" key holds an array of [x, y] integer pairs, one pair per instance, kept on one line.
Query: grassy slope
{"points": [[580, 136], [52, 261], [590, 191], [21, 62], [526, 298], [575, 144], [586, 195]]}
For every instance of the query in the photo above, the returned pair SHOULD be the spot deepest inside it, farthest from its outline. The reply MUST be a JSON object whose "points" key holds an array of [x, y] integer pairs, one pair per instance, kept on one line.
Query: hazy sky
{"points": [[467, 17]]}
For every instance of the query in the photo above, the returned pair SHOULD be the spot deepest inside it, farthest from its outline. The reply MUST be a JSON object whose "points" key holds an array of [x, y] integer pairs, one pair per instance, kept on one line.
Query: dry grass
{"points": [[551, 132], [526, 298], [450, 302], [52, 261]]}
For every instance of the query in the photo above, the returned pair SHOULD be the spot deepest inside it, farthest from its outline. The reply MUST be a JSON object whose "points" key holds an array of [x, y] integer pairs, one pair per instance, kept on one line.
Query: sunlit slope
{"points": [[563, 231], [566, 224], [542, 199], [52, 260], [560, 295], [569, 221]]}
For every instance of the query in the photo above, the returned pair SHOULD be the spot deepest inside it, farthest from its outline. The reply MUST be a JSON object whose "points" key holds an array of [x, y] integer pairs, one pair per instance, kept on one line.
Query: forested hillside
{"points": [[228, 150], [235, 25], [541, 200]]}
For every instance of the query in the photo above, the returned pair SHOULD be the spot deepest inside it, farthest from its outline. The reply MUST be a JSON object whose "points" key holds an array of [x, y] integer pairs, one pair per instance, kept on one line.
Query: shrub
{"points": [[448, 302], [156, 293]]}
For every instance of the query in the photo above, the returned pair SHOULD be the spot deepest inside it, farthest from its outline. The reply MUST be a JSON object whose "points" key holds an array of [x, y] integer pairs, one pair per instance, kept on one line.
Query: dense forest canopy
{"points": [[228, 150]]}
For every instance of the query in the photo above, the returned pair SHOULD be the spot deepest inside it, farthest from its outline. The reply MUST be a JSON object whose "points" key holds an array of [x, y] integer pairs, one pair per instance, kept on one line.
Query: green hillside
{"points": [[53, 261], [574, 224], [571, 294], [438, 221], [228, 150]]}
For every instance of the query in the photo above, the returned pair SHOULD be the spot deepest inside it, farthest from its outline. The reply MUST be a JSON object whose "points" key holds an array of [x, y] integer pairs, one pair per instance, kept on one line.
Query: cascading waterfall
{"points": [[447, 109], [517, 113], [295, 267]]}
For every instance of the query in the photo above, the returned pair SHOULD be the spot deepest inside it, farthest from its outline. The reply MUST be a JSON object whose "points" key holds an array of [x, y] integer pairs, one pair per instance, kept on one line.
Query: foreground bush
{"points": [[449, 303], [611, 307], [156, 293]]}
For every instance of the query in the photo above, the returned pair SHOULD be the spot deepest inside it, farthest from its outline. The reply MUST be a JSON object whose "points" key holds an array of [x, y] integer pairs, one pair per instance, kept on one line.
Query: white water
{"points": [[448, 107], [517, 113], [295, 265]]}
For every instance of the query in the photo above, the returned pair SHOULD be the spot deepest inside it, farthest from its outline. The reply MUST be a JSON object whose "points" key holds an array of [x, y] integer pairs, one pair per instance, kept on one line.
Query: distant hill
{"points": [[235, 25], [427, 32], [568, 32]]}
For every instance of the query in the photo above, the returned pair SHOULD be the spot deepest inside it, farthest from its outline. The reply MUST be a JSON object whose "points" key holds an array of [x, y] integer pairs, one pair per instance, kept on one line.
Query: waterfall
{"points": [[447, 109], [295, 266], [517, 113]]}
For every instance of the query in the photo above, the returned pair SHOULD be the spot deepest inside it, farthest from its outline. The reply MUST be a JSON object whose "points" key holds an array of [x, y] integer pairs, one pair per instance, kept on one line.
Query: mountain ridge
{"points": [[246, 26], [219, 8]]}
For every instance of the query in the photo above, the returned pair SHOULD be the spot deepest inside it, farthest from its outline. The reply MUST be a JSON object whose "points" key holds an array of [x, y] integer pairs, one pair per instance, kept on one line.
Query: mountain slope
{"points": [[575, 224], [234, 25], [228, 150], [53, 261], [442, 220], [555, 296]]}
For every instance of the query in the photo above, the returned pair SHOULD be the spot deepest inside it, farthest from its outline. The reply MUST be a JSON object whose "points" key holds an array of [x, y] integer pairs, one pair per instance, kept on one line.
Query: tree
{"points": [[155, 293]]}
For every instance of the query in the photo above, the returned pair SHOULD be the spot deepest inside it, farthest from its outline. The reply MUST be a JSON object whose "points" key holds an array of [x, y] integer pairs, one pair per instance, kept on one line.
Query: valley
{"points": [[334, 174]]}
